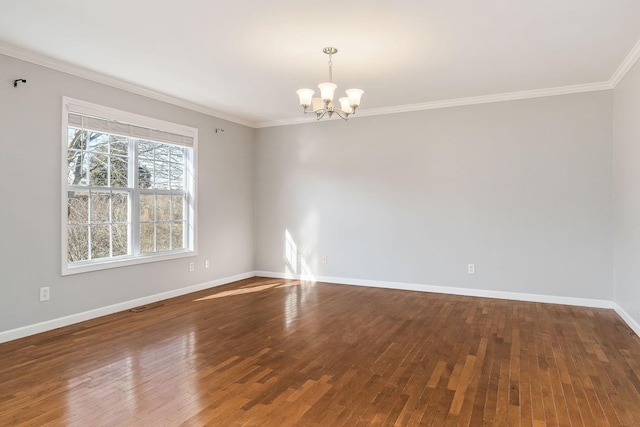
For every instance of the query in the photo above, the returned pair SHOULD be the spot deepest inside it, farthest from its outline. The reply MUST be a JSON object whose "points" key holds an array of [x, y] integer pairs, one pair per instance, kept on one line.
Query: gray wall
{"points": [[627, 193], [30, 252], [523, 189]]}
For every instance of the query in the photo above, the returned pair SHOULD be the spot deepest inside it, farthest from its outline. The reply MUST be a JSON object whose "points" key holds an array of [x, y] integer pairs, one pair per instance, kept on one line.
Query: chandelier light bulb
{"points": [[354, 97], [345, 106], [327, 90], [305, 96]]}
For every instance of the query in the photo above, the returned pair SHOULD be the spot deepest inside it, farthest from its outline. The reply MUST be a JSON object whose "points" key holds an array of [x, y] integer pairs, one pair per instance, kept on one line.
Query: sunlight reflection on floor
{"points": [[134, 388], [240, 291], [252, 289]]}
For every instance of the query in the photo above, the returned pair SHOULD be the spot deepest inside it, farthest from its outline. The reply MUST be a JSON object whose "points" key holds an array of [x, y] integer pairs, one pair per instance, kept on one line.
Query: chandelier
{"points": [[323, 106]]}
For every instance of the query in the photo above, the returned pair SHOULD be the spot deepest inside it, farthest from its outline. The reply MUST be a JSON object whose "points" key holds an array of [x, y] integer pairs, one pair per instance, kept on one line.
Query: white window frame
{"points": [[70, 105]]}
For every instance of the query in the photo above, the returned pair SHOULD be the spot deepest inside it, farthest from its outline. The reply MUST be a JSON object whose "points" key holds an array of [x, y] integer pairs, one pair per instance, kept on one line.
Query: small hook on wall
{"points": [[219, 130], [15, 82]]}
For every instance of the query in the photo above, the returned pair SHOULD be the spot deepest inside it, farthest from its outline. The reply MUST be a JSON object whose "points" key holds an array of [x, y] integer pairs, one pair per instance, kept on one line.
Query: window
{"points": [[128, 188]]}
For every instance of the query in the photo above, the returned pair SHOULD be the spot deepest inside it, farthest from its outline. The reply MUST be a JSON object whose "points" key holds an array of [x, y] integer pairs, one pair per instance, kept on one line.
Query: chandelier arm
{"points": [[343, 115]]}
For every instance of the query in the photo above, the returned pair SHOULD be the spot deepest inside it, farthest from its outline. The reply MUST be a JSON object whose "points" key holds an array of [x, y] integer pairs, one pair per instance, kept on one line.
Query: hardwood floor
{"points": [[274, 353]]}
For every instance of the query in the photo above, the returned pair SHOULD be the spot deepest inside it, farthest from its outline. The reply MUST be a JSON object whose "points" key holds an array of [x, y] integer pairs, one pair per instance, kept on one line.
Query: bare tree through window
{"points": [[100, 191]]}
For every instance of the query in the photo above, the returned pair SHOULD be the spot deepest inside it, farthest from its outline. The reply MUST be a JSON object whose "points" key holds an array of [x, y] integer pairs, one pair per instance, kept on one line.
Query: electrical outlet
{"points": [[192, 267], [324, 259], [44, 294], [471, 269], [207, 264]]}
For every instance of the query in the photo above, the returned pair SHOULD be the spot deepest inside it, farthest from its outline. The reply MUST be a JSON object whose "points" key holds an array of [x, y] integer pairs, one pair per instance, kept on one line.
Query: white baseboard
{"points": [[552, 299], [103, 311], [628, 319]]}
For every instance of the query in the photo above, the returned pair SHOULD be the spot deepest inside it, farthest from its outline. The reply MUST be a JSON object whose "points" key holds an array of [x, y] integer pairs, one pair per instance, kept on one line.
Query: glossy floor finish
{"points": [[273, 353]]}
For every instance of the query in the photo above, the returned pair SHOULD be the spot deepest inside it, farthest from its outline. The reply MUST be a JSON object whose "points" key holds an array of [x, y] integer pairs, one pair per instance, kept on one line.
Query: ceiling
{"points": [[244, 59]]}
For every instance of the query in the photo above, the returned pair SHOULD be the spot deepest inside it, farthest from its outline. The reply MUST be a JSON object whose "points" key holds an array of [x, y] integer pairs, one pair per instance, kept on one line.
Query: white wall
{"points": [[627, 194], [522, 189], [30, 131]]}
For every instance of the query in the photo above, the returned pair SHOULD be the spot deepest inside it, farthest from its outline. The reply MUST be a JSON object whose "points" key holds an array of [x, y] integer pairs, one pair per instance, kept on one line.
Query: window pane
{"points": [[177, 206], [120, 239], [98, 170], [145, 173], [100, 205], [145, 149], [147, 207], [163, 236], [177, 176], [98, 142], [162, 152], [177, 241], [100, 241], [77, 207], [77, 243], [120, 207], [119, 145], [77, 165], [147, 237], [163, 207], [84, 172], [77, 139], [161, 176], [75, 171], [177, 154], [119, 173]]}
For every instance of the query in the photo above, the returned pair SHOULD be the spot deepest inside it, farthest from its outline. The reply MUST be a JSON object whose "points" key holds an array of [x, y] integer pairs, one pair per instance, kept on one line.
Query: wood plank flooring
{"points": [[280, 353]]}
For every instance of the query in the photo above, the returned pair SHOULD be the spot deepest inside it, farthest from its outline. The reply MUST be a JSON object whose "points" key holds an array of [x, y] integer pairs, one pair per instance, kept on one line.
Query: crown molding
{"points": [[625, 66], [307, 118], [488, 99], [77, 71], [54, 64], [485, 99]]}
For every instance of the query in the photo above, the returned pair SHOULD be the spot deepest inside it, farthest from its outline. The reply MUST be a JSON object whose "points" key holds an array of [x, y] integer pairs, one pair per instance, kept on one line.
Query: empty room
{"points": [[340, 214]]}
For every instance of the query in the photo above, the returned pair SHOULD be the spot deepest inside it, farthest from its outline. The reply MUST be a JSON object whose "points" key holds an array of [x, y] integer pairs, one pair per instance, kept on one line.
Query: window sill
{"points": [[89, 266]]}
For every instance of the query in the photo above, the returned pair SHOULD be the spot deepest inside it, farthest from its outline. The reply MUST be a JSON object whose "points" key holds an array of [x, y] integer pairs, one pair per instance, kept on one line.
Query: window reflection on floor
{"points": [[296, 267], [295, 301], [129, 385]]}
